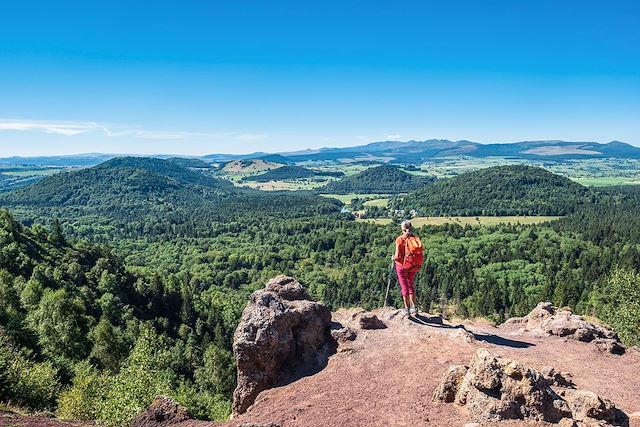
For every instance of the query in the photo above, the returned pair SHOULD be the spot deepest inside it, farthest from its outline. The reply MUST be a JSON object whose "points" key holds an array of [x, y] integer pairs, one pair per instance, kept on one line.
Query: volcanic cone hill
{"points": [[500, 190], [385, 179]]}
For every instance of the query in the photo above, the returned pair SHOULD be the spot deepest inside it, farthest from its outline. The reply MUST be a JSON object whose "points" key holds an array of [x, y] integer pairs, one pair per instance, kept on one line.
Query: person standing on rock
{"points": [[409, 259]]}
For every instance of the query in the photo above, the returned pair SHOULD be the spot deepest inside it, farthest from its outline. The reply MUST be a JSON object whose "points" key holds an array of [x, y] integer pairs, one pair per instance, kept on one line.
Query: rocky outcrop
{"points": [[546, 319], [162, 412], [495, 389], [282, 335]]}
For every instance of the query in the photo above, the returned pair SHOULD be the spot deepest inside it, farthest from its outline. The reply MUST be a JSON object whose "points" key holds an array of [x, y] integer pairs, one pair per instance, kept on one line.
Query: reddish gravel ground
{"points": [[14, 420], [386, 377]]}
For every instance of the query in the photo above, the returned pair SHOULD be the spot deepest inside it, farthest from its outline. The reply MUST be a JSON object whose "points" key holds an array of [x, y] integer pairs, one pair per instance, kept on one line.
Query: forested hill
{"points": [[187, 162], [500, 190], [167, 168], [142, 196], [384, 179], [122, 184]]}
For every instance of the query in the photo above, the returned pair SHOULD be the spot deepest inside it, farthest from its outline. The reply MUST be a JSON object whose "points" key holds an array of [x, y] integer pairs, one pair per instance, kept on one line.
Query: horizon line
{"points": [[291, 152]]}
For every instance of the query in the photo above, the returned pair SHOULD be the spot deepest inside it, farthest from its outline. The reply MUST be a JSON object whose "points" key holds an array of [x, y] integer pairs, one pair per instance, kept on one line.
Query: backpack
{"points": [[413, 254]]}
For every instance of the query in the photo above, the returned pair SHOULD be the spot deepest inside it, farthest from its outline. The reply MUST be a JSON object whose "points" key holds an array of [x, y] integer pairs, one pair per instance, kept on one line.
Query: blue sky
{"points": [[199, 77]]}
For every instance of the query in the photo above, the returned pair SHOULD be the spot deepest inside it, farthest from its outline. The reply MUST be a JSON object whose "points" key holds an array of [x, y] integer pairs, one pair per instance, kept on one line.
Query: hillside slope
{"points": [[500, 190], [383, 179]]}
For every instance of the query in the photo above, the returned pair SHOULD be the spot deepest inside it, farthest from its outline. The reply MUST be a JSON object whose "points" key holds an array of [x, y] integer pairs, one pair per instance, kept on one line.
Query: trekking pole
{"points": [[386, 295]]}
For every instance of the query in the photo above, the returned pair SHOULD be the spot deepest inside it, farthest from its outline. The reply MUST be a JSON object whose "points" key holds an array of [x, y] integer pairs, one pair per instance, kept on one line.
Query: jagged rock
{"points": [[607, 345], [588, 407], [542, 311], [565, 323], [446, 391], [562, 379], [162, 412], [567, 422], [546, 319], [463, 335], [495, 389], [343, 334], [282, 335], [287, 288], [370, 321]]}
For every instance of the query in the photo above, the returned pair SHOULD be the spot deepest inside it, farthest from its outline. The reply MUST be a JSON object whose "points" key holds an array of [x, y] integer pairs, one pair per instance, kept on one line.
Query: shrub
{"points": [[143, 376], [84, 399], [25, 382], [203, 404], [620, 305]]}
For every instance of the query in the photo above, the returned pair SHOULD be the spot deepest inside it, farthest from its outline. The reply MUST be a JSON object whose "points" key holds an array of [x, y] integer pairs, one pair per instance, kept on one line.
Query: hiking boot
{"points": [[412, 311], [407, 311]]}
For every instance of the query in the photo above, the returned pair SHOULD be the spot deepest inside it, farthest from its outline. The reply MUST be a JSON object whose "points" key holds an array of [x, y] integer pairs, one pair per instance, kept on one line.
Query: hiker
{"points": [[408, 259]]}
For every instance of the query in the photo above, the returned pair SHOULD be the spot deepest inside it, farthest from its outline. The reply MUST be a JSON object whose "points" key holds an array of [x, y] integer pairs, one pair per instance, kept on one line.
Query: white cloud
{"points": [[58, 128], [393, 137], [122, 131]]}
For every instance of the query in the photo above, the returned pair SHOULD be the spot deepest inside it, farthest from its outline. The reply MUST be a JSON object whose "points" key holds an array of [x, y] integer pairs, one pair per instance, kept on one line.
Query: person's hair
{"points": [[406, 225]]}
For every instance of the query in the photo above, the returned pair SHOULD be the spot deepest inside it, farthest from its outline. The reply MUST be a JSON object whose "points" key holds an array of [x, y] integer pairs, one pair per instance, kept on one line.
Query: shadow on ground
{"points": [[436, 322]]}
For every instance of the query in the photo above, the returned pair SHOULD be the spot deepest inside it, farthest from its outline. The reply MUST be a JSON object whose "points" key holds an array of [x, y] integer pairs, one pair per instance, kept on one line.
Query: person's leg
{"points": [[411, 277], [402, 279]]}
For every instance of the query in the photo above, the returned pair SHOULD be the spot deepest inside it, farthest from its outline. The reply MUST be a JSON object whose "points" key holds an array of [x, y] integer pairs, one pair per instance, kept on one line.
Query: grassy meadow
{"points": [[468, 220]]}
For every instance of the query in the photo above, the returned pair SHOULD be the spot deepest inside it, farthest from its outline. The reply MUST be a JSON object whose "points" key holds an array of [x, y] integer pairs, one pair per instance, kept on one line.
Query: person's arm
{"points": [[398, 256]]}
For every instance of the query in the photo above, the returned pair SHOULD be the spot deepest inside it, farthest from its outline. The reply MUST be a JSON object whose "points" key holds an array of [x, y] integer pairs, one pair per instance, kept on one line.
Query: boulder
{"points": [[342, 334], [370, 321], [588, 407], [607, 345], [494, 389], [543, 311], [162, 412], [446, 391], [282, 335], [562, 379], [546, 319]]}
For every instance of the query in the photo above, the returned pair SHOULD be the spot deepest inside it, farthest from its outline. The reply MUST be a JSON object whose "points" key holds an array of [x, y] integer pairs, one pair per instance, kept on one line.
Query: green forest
{"points": [[124, 281], [500, 190], [385, 179]]}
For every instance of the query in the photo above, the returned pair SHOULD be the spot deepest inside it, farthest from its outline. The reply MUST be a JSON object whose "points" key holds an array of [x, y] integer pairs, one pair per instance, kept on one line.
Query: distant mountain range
{"points": [[418, 151], [409, 152]]}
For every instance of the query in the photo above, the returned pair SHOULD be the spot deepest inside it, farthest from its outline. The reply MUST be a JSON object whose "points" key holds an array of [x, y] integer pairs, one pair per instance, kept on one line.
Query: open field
{"points": [[381, 203], [282, 185], [346, 198], [468, 220], [589, 172], [26, 173], [605, 181]]}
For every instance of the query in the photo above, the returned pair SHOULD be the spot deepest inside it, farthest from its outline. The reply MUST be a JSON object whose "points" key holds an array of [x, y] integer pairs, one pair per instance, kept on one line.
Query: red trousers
{"points": [[406, 279]]}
